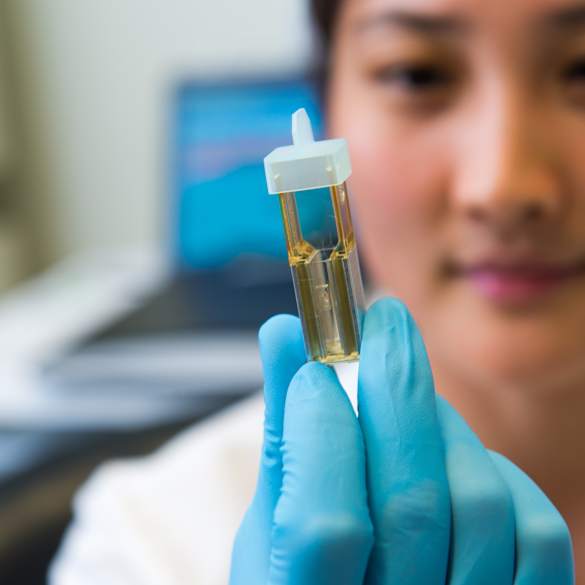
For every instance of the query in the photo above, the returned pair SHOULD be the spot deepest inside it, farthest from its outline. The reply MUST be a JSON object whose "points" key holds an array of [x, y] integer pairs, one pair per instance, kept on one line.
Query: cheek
{"points": [[397, 204]]}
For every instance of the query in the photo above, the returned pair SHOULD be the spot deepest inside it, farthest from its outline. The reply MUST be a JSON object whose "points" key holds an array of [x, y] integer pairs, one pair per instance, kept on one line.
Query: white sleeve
{"points": [[169, 518]]}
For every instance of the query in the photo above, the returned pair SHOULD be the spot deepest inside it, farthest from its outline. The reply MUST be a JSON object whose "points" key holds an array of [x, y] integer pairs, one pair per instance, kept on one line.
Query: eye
{"points": [[576, 71], [415, 78], [573, 82]]}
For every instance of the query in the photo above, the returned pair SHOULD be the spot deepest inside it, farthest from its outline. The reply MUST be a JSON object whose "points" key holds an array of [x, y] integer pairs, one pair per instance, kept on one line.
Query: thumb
{"points": [[282, 352]]}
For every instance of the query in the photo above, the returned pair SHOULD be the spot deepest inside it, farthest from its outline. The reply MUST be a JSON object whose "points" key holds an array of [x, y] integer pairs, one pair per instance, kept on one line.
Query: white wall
{"points": [[94, 76]]}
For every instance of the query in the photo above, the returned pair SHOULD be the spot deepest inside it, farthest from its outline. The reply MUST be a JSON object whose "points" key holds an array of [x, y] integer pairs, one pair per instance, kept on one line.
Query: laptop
{"points": [[197, 335]]}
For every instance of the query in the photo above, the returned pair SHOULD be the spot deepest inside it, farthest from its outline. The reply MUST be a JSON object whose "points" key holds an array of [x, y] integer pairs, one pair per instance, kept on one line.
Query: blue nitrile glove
{"points": [[308, 522], [443, 509]]}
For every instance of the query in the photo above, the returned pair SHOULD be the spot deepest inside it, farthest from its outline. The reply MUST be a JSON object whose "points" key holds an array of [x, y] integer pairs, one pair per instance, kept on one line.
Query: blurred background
{"points": [[138, 246]]}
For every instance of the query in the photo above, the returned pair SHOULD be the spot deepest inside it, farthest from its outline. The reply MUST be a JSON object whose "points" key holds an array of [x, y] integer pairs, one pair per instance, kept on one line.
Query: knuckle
{"points": [[399, 307], [419, 508], [547, 534], [391, 305], [328, 531], [485, 500], [312, 381]]}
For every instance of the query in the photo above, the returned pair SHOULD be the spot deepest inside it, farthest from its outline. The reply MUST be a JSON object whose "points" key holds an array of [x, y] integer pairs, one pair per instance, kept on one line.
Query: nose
{"points": [[509, 180]]}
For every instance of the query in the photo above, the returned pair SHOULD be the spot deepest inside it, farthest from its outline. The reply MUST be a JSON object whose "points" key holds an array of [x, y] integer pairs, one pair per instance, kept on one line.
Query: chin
{"points": [[538, 350]]}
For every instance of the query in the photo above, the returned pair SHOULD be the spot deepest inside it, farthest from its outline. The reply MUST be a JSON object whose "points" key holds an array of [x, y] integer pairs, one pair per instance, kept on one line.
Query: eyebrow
{"points": [[569, 17], [413, 21], [564, 18]]}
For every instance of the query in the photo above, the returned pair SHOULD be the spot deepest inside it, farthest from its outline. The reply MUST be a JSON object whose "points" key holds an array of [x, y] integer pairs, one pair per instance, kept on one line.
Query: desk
{"points": [[50, 442], [44, 316]]}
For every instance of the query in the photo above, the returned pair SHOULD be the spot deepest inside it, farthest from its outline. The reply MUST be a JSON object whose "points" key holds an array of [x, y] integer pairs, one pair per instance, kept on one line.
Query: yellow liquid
{"points": [[327, 286]]}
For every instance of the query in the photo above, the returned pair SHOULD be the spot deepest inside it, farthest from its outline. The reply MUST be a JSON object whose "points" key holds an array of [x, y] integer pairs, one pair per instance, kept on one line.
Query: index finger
{"points": [[406, 477]]}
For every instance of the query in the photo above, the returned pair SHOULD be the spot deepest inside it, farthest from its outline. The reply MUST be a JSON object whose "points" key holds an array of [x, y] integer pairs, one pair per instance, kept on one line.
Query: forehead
{"points": [[502, 10], [464, 5], [508, 23]]}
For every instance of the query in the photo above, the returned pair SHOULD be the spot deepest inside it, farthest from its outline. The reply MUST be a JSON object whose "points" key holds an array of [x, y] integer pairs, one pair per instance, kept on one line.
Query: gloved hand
{"points": [[405, 495]]}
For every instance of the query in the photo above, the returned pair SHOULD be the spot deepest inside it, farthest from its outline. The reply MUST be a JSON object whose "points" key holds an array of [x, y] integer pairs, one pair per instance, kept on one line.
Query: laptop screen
{"points": [[222, 132]]}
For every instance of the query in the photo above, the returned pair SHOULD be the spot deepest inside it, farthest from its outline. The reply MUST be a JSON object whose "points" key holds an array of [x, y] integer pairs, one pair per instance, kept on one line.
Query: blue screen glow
{"points": [[222, 134]]}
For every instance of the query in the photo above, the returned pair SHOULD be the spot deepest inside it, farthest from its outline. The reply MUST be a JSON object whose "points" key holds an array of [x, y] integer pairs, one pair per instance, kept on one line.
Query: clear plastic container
{"points": [[324, 263]]}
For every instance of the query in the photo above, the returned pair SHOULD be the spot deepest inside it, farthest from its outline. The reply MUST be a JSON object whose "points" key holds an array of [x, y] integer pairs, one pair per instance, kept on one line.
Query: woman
{"points": [[466, 123]]}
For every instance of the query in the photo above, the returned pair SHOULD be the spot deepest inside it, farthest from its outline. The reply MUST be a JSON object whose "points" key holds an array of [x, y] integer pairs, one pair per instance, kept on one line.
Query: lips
{"points": [[519, 281]]}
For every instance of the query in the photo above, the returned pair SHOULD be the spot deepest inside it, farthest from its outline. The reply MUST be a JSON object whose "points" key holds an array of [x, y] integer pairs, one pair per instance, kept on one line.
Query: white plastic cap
{"points": [[306, 164]]}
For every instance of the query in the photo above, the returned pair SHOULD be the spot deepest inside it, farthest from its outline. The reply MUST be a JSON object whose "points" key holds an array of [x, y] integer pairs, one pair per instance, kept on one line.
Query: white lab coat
{"points": [[169, 518]]}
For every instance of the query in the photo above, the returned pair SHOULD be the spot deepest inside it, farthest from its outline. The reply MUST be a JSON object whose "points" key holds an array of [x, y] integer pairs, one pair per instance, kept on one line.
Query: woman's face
{"points": [[466, 124]]}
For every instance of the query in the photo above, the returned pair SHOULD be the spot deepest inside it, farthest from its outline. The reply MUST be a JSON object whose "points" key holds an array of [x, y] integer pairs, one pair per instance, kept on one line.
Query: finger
{"points": [[407, 483], [282, 352], [322, 531], [544, 553], [482, 512]]}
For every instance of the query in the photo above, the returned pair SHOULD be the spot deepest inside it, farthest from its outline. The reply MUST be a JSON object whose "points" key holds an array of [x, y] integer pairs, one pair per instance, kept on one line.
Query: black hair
{"points": [[324, 14]]}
